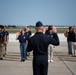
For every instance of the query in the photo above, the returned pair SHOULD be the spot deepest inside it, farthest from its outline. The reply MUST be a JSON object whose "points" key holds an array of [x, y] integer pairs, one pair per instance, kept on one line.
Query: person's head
{"points": [[22, 32], [26, 29], [4, 29], [70, 29], [1, 28], [50, 28], [74, 30], [39, 27]]}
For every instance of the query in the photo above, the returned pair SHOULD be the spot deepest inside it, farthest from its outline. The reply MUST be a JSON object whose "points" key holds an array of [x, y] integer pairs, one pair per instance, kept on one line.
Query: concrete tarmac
{"points": [[62, 65]]}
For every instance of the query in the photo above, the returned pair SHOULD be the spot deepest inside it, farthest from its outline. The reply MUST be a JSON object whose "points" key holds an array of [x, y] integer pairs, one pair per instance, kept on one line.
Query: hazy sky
{"points": [[25, 12]]}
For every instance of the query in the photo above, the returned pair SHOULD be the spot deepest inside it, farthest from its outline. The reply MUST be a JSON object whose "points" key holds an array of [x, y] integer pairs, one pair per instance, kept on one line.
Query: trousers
{"points": [[2, 50], [73, 48], [23, 51], [50, 52], [69, 47], [40, 65]]}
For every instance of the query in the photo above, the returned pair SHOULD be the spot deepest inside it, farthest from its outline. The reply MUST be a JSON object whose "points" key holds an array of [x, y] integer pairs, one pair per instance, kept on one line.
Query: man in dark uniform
{"points": [[39, 44]]}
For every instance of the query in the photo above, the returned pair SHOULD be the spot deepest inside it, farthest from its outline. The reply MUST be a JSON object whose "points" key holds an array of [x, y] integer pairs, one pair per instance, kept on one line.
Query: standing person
{"points": [[50, 33], [28, 33], [68, 34], [23, 43], [7, 38], [39, 44], [74, 41], [2, 42], [1, 45]]}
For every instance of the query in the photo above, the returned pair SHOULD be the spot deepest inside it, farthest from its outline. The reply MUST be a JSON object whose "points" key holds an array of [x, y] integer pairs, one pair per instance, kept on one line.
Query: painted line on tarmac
{"points": [[65, 63]]}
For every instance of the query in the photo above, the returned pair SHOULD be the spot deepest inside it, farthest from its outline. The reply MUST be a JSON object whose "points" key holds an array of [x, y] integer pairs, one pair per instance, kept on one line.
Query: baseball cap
{"points": [[1, 26], [39, 24]]}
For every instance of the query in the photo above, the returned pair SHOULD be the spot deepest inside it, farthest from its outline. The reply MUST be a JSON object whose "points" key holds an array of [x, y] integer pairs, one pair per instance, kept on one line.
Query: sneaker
{"points": [[22, 60], [1, 58], [48, 60]]}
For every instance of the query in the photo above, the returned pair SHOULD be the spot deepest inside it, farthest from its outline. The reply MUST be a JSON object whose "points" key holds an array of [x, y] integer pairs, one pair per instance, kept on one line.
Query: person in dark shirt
{"points": [[50, 33], [23, 43], [28, 33], [6, 33], [69, 40], [74, 42], [2, 42], [7, 38], [39, 44], [73, 35]]}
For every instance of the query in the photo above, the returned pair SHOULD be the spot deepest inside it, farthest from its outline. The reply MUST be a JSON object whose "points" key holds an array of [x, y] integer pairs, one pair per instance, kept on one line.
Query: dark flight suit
{"points": [[39, 44]]}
